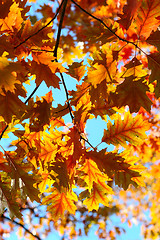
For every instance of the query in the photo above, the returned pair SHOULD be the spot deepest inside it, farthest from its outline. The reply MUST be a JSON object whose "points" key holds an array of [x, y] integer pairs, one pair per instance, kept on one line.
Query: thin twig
{"points": [[99, 20], [42, 27], [21, 225], [60, 28], [67, 96], [32, 94], [55, 55], [82, 138], [120, 38]]}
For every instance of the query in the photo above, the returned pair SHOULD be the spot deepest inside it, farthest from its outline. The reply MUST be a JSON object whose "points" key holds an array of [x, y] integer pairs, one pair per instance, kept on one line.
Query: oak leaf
{"points": [[11, 106], [59, 202], [128, 129], [133, 94], [98, 195], [92, 173]]}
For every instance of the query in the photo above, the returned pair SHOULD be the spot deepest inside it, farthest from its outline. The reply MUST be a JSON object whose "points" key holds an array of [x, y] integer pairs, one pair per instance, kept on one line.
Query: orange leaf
{"points": [[58, 202], [13, 20], [11, 105], [147, 18], [92, 173], [131, 129], [97, 196]]}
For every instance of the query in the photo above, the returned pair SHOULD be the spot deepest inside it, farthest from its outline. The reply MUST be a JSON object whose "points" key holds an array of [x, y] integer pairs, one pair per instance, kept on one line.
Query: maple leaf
{"points": [[133, 94], [154, 39], [58, 202], [147, 18], [37, 39], [128, 129], [77, 70], [134, 68], [103, 68], [4, 8], [43, 72], [13, 20], [129, 13], [99, 95]]}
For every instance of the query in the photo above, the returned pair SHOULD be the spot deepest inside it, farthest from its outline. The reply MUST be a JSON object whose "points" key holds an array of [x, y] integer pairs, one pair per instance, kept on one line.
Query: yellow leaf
{"points": [[98, 75], [92, 173], [8, 74], [97, 196], [58, 202], [13, 19], [131, 129]]}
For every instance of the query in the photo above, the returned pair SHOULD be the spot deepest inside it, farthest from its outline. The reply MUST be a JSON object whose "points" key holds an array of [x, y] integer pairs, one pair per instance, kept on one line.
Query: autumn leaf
{"points": [[77, 70], [48, 151], [18, 171], [37, 39], [4, 8], [98, 195], [92, 173], [11, 106], [58, 202], [147, 18], [154, 39], [129, 13], [8, 72], [133, 94], [154, 65], [128, 129], [103, 68], [58, 172], [43, 72], [7, 200], [134, 68], [13, 20]]}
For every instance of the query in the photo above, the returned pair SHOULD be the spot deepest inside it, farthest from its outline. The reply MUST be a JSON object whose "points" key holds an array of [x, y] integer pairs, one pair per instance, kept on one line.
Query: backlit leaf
{"points": [[98, 195], [58, 202], [130, 129]]}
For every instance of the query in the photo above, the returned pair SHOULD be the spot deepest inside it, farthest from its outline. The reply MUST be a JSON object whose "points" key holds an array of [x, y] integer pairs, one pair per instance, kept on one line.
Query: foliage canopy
{"points": [[110, 49]]}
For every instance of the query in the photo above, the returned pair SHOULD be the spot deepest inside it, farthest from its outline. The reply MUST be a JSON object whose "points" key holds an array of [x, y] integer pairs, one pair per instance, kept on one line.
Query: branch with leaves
{"points": [[111, 55]]}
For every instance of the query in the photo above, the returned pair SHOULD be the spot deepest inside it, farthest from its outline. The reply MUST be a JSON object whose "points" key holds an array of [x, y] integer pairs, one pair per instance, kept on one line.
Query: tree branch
{"points": [[42, 27], [26, 41], [55, 55], [21, 225], [99, 20]]}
